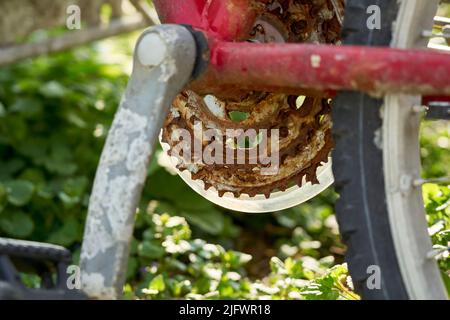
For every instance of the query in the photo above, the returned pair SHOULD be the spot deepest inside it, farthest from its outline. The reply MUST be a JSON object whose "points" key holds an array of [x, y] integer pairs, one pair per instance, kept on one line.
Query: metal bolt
{"points": [[440, 180], [446, 33], [406, 182], [151, 50]]}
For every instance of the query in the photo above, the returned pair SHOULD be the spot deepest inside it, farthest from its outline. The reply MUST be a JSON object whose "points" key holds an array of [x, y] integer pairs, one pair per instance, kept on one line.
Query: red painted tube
{"points": [[426, 100], [299, 68], [182, 12], [229, 20], [292, 67]]}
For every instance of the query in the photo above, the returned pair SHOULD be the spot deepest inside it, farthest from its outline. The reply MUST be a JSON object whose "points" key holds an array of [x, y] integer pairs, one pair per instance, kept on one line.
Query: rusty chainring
{"points": [[304, 123]]}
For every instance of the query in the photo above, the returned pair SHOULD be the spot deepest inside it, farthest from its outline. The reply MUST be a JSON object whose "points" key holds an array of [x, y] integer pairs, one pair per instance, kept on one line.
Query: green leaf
{"points": [[19, 192], [69, 202], [175, 190], [151, 250], [170, 189], [176, 265], [238, 116], [27, 106], [133, 265], [26, 85], [133, 246], [235, 260], [16, 224], [211, 221], [67, 234], [10, 168], [15, 128], [277, 266], [33, 175], [202, 285], [60, 167], [35, 148], [76, 187], [53, 89], [157, 284]]}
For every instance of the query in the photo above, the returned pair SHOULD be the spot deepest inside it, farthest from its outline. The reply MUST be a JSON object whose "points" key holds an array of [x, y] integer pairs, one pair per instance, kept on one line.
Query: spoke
{"points": [[431, 34], [338, 11], [441, 21], [442, 180], [435, 110]]}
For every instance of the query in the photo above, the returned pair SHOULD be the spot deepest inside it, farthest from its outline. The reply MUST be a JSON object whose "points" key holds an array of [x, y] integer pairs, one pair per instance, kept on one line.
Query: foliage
{"points": [[435, 142], [180, 267], [437, 204], [51, 134]]}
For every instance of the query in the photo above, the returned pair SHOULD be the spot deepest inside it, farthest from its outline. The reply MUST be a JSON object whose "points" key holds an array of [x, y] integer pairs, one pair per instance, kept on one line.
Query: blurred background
{"points": [[55, 112]]}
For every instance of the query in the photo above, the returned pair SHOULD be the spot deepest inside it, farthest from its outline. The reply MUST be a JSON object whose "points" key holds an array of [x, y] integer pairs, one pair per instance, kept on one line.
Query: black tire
{"points": [[362, 211]]}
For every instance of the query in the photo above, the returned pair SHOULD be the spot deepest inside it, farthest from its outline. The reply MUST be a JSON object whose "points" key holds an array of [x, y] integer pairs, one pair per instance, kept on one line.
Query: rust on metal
{"points": [[304, 128]]}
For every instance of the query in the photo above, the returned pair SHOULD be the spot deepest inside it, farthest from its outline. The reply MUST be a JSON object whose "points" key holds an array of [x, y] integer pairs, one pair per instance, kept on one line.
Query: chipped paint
{"points": [[168, 70], [126, 122], [174, 112], [123, 165], [95, 282], [315, 61], [193, 168], [102, 239]]}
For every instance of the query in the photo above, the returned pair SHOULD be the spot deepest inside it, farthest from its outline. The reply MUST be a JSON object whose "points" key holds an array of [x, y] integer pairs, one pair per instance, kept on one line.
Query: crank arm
{"points": [[164, 62]]}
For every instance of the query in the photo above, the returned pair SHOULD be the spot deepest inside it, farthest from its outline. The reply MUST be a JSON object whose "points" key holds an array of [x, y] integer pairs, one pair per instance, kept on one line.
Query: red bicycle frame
{"points": [[299, 68]]}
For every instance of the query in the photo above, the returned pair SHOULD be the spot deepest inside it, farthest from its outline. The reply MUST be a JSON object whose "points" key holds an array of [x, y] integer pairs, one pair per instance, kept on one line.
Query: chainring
{"points": [[303, 123]]}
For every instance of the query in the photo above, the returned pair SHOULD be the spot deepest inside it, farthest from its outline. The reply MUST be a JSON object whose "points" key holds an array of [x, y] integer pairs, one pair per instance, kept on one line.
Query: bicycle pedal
{"points": [[44, 260]]}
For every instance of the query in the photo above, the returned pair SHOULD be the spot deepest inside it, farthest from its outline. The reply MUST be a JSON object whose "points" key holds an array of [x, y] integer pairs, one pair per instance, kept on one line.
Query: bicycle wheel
{"points": [[375, 161]]}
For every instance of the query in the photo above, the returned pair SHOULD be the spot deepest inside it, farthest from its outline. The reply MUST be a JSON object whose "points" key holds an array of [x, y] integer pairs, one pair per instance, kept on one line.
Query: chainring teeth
{"points": [[305, 130]]}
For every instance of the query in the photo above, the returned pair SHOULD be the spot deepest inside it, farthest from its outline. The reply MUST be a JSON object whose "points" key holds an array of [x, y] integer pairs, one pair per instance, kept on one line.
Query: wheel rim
{"points": [[401, 158]]}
